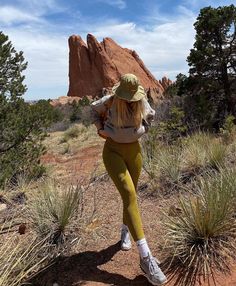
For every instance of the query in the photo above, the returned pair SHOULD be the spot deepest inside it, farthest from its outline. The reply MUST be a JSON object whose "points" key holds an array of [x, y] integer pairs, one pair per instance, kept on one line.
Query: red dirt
{"points": [[77, 165], [98, 260]]}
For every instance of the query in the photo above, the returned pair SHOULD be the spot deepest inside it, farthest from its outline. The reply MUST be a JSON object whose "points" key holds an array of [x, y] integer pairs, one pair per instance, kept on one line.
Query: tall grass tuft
{"points": [[150, 147], [202, 151], [52, 209], [72, 132], [20, 258], [168, 161], [195, 151], [216, 154], [201, 241]]}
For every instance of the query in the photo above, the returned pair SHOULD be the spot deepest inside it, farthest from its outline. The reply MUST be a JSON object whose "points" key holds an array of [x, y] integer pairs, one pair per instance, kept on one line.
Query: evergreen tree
{"points": [[22, 126], [212, 61]]}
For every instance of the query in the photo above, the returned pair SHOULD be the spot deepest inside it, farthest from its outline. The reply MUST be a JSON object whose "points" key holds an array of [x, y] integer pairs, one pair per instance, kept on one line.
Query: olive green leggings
{"points": [[123, 162]]}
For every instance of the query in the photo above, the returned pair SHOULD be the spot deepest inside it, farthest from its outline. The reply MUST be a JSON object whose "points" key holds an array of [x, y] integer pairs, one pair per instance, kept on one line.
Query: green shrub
{"points": [[173, 127], [201, 239], [77, 108], [22, 125], [228, 128], [52, 208]]}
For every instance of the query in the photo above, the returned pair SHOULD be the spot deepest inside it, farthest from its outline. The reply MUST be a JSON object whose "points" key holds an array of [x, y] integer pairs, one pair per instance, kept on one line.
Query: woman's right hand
{"points": [[102, 133]]}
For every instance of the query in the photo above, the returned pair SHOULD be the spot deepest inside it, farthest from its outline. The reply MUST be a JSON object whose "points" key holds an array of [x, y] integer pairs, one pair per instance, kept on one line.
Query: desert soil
{"points": [[97, 260]]}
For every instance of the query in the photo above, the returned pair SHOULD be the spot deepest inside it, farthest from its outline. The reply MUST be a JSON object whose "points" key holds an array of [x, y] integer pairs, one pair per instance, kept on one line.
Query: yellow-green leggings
{"points": [[123, 162]]}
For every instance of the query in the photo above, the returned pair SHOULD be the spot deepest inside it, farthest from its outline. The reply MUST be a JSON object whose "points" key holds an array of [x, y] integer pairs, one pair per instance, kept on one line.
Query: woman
{"points": [[120, 119]]}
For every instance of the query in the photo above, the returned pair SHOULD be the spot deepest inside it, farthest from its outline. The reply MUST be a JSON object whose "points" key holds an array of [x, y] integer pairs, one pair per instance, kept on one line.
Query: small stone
{"points": [[55, 284], [3, 207], [22, 228]]}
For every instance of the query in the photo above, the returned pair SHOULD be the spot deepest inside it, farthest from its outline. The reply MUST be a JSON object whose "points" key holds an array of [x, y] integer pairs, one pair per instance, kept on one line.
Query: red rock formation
{"points": [[165, 82], [95, 66], [63, 100]]}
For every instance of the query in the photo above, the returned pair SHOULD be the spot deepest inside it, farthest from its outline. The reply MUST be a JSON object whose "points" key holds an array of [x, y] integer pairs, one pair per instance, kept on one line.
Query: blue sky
{"points": [[160, 31]]}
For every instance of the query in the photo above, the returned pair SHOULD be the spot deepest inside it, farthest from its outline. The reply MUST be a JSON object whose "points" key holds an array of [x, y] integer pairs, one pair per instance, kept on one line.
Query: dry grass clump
{"points": [[168, 162], [216, 155], [72, 132], [77, 131], [161, 162], [202, 150], [65, 149], [20, 257], [201, 240], [49, 213], [52, 208], [182, 162], [195, 149], [17, 190], [150, 164]]}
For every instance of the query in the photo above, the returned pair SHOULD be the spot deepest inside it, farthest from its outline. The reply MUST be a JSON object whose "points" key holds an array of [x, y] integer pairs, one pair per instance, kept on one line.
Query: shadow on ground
{"points": [[83, 269]]}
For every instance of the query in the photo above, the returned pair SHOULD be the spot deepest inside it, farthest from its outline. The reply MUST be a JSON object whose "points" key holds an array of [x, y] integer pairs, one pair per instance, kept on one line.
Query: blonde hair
{"points": [[126, 110]]}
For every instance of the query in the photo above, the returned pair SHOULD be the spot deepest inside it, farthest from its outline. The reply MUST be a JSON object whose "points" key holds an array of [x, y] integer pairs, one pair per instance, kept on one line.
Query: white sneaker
{"points": [[154, 274], [125, 240]]}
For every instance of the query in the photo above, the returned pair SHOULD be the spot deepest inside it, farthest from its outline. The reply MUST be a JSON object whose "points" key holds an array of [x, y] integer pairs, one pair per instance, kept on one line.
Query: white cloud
{"points": [[164, 48], [11, 15], [45, 49], [197, 4], [117, 3], [39, 7], [47, 57], [163, 41]]}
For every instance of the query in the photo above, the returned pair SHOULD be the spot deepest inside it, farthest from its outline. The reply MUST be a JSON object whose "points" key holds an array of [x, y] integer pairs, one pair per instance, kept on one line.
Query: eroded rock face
{"points": [[96, 66], [165, 82]]}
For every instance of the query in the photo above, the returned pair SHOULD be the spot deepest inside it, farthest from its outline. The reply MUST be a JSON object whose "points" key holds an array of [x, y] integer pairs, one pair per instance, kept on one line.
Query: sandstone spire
{"points": [[96, 66]]}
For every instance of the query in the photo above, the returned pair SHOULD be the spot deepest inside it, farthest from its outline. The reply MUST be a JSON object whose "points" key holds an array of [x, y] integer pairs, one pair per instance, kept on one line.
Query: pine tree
{"points": [[11, 67], [213, 59]]}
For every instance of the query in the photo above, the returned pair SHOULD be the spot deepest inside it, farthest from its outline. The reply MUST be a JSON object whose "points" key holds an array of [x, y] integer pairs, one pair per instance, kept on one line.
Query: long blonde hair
{"points": [[126, 110]]}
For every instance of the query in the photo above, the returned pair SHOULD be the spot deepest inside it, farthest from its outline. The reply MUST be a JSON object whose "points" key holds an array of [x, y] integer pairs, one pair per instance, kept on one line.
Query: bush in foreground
{"points": [[20, 258], [52, 208], [201, 240]]}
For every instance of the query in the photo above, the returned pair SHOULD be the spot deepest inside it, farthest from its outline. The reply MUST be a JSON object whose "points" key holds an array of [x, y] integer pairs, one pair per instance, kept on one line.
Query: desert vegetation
{"points": [[189, 159], [200, 229]]}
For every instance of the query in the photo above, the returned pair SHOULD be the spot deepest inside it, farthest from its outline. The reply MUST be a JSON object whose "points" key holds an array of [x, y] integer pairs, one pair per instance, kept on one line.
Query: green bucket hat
{"points": [[128, 88]]}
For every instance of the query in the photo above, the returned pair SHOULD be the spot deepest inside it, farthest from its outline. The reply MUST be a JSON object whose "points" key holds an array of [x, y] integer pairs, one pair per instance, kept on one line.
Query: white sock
{"points": [[124, 227], [143, 247]]}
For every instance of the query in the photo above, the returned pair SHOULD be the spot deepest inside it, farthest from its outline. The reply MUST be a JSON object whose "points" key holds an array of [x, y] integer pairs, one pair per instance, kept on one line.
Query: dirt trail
{"points": [[99, 260]]}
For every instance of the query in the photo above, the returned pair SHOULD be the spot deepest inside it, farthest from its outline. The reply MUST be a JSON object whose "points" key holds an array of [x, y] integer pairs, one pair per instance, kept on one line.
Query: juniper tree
{"points": [[22, 126]]}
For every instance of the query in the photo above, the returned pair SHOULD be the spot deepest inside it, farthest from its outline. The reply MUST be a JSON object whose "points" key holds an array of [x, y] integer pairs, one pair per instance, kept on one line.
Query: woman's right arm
{"points": [[149, 111]]}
